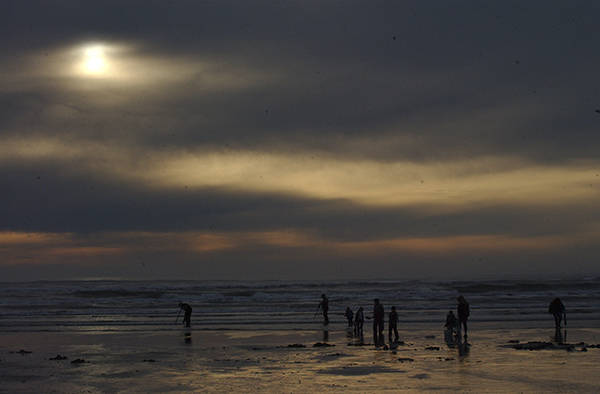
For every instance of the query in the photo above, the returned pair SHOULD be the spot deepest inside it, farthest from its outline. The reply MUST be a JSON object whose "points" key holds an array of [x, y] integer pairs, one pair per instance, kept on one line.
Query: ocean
{"points": [[282, 305]]}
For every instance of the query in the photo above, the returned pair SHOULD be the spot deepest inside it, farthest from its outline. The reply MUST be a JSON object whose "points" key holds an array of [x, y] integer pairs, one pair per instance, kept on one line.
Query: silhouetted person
{"points": [[359, 320], [558, 311], [393, 325], [349, 316], [450, 325], [324, 306], [451, 321], [187, 316], [378, 317], [463, 313]]}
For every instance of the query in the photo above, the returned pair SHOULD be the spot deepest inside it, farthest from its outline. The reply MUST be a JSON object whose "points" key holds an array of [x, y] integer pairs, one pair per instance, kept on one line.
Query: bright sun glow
{"points": [[95, 62]]}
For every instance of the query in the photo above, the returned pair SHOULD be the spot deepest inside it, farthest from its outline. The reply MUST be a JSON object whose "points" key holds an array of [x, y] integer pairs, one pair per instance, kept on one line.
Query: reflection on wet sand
{"points": [[350, 333], [463, 349], [325, 335], [118, 361], [559, 337]]}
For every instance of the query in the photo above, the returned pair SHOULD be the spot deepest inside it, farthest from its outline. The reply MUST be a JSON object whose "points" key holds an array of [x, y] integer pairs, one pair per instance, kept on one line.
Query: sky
{"points": [[299, 139]]}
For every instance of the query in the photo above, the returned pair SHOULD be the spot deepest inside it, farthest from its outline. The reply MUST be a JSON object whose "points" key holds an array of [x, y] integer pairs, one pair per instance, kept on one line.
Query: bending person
{"points": [[558, 310]]}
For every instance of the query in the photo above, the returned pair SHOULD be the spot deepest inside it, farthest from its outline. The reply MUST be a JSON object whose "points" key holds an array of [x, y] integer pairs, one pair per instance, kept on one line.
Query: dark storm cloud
{"points": [[458, 79]]}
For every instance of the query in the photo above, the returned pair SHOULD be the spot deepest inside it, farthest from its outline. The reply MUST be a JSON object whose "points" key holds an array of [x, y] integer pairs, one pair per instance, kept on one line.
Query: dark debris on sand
{"points": [[262, 348], [149, 360], [358, 370], [78, 361], [406, 359], [538, 345], [323, 344], [58, 357], [296, 345], [432, 348], [331, 356]]}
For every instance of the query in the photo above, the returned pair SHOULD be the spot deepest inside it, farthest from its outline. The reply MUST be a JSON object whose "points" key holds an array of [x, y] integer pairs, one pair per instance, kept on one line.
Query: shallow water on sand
{"points": [[127, 334], [259, 361]]}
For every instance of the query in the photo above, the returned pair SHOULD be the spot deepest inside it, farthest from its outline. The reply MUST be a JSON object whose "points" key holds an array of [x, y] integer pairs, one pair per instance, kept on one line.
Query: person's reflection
{"points": [[349, 333], [325, 335], [558, 337], [463, 347], [187, 337]]}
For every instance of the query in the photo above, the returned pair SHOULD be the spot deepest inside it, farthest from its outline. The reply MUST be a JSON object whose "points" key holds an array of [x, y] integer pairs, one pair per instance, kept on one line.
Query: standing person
{"points": [[187, 317], [359, 319], [558, 310], [378, 317], [463, 313], [393, 326], [349, 315], [324, 306]]}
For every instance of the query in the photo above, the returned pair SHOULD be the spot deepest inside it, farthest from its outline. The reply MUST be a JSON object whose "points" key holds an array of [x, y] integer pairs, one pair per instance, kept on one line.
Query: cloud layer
{"points": [[256, 139]]}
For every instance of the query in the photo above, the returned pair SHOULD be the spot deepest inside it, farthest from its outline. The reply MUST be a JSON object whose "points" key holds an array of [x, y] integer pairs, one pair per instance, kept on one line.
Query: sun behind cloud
{"points": [[95, 61]]}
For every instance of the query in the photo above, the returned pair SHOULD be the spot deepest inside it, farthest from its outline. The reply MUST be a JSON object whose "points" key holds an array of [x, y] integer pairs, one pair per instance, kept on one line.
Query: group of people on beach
{"points": [[453, 324], [356, 320], [456, 325]]}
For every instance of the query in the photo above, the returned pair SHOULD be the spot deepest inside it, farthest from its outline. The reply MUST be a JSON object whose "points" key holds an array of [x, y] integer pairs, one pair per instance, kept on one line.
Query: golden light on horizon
{"points": [[51, 247], [446, 186]]}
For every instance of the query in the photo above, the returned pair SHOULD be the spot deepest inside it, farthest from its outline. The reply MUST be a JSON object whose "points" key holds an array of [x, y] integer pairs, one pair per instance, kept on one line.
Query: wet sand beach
{"points": [[263, 361]]}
